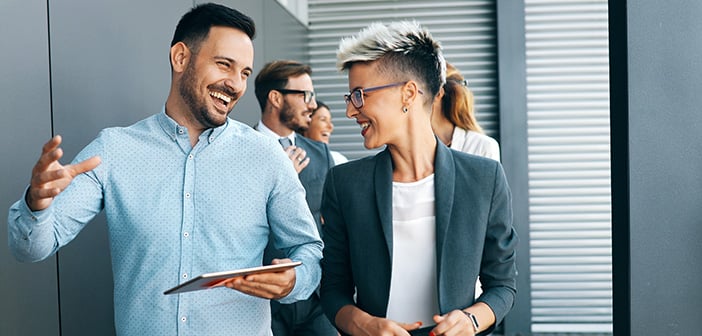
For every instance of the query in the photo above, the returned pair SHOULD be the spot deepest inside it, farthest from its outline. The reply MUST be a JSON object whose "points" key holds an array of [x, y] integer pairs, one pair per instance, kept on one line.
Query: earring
{"points": [[404, 109]]}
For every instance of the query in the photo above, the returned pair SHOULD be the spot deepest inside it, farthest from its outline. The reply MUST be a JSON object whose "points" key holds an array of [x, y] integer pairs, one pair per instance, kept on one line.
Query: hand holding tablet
{"points": [[218, 279]]}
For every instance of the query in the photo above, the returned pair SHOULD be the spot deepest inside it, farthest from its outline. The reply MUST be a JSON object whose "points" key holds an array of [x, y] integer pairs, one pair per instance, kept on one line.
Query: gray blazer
{"points": [[313, 176], [474, 234]]}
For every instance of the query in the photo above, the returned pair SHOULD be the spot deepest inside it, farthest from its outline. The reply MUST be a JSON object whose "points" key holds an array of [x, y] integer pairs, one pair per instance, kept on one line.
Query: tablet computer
{"points": [[212, 280]]}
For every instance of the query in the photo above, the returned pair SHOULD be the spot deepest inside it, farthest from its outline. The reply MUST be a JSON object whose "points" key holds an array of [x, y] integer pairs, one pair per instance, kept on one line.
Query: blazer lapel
{"points": [[444, 188], [383, 195]]}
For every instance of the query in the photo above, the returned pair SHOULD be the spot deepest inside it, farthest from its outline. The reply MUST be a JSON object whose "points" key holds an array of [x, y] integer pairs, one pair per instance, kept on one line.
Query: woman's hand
{"points": [[386, 327], [355, 321], [455, 323]]}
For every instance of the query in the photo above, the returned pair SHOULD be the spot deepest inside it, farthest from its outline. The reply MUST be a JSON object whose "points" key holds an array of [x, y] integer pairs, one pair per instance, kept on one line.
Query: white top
{"points": [[413, 284], [338, 158], [475, 143]]}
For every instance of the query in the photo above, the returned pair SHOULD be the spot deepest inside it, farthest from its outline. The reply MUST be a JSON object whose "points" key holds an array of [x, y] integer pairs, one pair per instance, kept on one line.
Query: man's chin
{"points": [[213, 121]]}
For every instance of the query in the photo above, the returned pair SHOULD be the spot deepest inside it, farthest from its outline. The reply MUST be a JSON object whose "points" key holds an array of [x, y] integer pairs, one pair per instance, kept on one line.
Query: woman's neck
{"points": [[414, 160]]}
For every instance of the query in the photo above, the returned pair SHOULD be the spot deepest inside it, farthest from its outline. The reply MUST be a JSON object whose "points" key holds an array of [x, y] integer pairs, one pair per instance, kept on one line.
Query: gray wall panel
{"points": [[665, 67], [513, 142], [29, 304], [286, 37]]}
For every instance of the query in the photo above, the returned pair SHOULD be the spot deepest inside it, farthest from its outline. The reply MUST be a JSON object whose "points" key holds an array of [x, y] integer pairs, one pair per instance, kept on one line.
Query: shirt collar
{"points": [[267, 131], [172, 128]]}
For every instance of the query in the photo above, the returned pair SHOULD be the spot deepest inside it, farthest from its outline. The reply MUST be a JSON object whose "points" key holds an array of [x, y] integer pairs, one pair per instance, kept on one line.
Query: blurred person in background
{"points": [[321, 128], [453, 118]]}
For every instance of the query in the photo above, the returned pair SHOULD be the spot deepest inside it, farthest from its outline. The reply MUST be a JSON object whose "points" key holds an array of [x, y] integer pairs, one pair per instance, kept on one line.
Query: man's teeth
{"points": [[221, 96], [365, 125]]}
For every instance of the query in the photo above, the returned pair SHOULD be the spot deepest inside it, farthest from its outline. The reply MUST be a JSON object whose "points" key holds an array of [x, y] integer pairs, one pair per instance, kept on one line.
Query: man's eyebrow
{"points": [[231, 60]]}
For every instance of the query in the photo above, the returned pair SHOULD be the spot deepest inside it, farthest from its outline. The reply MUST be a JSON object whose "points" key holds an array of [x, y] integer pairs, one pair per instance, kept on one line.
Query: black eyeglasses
{"points": [[356, 95], [309, 95]]}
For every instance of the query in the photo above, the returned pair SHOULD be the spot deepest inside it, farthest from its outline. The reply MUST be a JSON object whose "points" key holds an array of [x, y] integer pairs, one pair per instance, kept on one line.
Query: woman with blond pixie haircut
{"points": [[409, 230], [453, 118]]}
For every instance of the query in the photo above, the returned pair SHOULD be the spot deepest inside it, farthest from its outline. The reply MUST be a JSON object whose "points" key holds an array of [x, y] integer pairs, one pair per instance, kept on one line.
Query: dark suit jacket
{"points": [[313, 176], [474, 234]]}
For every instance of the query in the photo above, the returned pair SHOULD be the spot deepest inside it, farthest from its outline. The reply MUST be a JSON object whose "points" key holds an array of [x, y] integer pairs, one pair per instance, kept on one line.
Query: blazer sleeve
{"points": [[498, 272], [337, 288]]}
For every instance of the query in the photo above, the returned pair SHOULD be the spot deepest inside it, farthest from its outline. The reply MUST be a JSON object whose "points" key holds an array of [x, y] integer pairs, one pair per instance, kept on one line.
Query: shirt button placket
{"points": [[186, 245]]}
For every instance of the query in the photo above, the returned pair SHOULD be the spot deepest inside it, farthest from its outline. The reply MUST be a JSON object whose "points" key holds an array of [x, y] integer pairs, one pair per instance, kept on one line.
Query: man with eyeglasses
{"points": [[285, 93]]}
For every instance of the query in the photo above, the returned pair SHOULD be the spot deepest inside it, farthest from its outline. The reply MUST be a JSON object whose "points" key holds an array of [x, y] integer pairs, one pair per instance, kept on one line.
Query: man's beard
{"points": [[197, 108], [287, 118]]}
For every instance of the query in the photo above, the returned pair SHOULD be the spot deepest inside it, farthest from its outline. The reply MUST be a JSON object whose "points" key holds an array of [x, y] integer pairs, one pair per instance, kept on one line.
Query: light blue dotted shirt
{"points": [[174, 212]]}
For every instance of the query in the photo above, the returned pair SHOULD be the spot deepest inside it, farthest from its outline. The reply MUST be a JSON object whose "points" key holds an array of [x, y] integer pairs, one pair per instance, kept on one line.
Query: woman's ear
{"points": [[410, 91], [180, 56]]}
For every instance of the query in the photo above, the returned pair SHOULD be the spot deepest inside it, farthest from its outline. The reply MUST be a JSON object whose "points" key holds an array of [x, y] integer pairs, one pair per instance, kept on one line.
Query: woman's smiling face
{"points": [[379, 115]]}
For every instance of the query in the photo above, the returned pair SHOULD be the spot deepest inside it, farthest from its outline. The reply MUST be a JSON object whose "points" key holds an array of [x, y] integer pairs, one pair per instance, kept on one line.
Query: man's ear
{"points": [[275, 98], [180, 56]]}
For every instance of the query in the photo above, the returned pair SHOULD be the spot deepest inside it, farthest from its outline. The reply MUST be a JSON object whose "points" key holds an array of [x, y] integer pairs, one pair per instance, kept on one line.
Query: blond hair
{"points": [[402, 48]]}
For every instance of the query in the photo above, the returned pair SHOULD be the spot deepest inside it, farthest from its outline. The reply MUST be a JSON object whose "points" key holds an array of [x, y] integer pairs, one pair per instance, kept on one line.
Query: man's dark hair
{"points": [[275, 75], [195, 25]]}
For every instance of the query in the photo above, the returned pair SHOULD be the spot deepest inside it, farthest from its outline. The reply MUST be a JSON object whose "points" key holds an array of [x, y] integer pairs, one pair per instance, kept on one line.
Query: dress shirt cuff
{"points": [[292, 297], [28, 219], [23, 223], [307, 278]]}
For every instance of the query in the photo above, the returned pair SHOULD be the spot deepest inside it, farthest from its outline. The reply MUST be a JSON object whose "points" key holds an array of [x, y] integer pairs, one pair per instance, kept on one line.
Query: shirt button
{"points": [[190, 156], [183, 319], [186, 234], [211, 138], [187, 195], [185, 275], [180, 130]]}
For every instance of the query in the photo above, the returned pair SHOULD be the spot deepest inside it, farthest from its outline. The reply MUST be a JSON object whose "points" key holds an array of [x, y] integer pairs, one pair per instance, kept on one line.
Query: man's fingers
{"points": [[304, 162], [84, 166], [50, 152], [52, 144], [41, 178], [254, 289], [67, 172], [47, 159], [44, 193], [277, 261], [269, 285]]}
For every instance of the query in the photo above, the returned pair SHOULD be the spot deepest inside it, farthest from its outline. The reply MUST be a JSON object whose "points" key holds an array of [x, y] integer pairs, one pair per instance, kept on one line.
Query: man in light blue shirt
{"points": [[186, 191]]}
